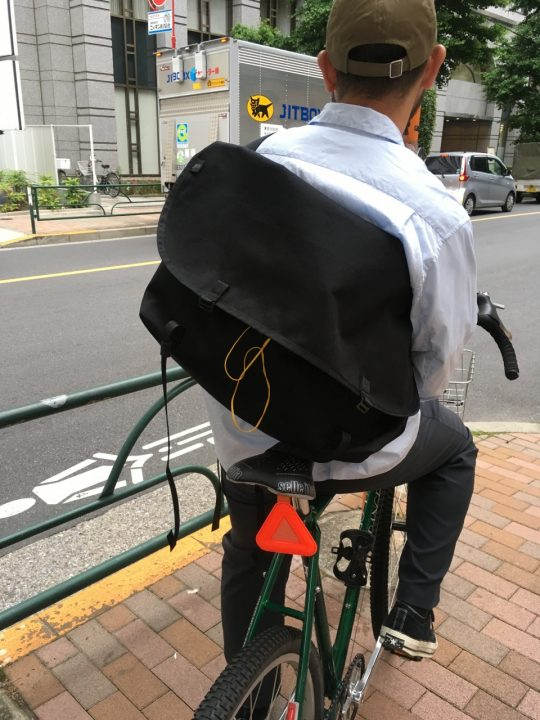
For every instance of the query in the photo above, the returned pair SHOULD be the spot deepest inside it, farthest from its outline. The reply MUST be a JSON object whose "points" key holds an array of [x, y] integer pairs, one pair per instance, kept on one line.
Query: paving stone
{"points": [[196, 609], [503, 609], [56, 652], [513, 638], [477, 557], [137, 683], [61, 707], [167, 587], [168, 707], [380, 707], [207, 585], [516, 557], [528, 600], [535, 511], [489, 678], [184, 679], [156, 613], [486, 707], [496, 585], [441, 681], [116, 618], [33, 680], [481, 501], [477, 643], [430, 707], [216, 634], [530, 705], [526, 497], [487, 516], [94, 641], [215, 667], [394, 684], [518, 516], [84, 681], [534, 628], [295, 587], [472, 538], [210, 562], [446, 651], [484, 483], [493, 533], [144, 643], [457, 585], [523, 531], [462, 610], [194, 645], [521, 668], [520, 577], [440, 617], [116, 707], [501, 499]]}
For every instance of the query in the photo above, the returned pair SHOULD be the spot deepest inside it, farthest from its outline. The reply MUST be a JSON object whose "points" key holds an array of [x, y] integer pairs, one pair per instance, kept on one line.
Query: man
{"points": [[380, 57]]}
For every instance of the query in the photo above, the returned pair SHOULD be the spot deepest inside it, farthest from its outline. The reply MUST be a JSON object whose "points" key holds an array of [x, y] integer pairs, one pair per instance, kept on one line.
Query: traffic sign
{"points": [[159, 22]]}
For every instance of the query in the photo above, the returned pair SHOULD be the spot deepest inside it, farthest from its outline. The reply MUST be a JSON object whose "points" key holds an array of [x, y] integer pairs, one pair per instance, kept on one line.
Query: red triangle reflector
{"points": [[283, 531]]}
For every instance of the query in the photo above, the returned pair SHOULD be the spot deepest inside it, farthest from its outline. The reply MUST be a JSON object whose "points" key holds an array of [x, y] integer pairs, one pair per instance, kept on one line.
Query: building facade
{"points": [[92, 62]]}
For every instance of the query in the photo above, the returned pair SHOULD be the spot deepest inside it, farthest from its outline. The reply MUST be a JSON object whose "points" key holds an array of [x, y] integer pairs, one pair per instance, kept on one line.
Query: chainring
{"points": [[343, 707]]}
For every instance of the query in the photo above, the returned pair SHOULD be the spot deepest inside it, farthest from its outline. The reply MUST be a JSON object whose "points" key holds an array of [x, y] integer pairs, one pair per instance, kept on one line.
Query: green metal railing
{"points": [[108, 496]]}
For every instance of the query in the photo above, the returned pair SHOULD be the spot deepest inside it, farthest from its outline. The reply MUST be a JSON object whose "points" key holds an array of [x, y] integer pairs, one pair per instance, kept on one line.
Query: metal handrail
{"points": [[62, 403]]}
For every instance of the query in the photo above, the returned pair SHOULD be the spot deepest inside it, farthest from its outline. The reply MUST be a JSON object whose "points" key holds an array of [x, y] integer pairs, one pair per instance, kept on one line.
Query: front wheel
{"points": [[262, 679], [111, 180], [509, 204], [469, 204]]}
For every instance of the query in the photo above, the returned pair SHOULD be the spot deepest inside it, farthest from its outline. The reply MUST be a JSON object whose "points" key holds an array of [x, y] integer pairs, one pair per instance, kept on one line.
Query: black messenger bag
{"points": [[287, 308]]}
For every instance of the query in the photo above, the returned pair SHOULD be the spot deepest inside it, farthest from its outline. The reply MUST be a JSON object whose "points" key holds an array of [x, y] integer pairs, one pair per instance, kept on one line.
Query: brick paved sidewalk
{"points": [[154, 656]]}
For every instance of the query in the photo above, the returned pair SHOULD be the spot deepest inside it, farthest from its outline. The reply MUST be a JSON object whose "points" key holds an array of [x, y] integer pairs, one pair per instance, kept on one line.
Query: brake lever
{"points": [[487, 311]]}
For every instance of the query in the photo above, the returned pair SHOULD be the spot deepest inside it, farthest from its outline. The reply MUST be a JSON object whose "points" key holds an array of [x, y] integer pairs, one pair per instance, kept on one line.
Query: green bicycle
{"points": [[281, 669]]}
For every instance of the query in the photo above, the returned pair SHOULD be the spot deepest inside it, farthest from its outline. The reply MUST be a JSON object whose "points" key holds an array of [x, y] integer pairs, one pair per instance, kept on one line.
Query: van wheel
{"points": [[519, 197], [469, 204], [509, 204], [538, 197]]}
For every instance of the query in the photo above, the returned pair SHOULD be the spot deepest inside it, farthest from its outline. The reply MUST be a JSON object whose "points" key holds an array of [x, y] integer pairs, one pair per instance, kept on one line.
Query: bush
{"points": [[427, 122], [13, 190], [75, 197], [49, 199], [143, 188]]}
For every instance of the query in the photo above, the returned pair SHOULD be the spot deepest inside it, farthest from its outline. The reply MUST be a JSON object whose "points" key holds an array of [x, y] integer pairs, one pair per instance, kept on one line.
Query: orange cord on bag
{"points": [[248, 363]]}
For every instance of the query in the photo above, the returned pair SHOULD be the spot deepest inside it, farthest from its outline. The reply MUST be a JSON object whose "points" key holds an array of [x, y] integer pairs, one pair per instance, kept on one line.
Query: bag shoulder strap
{"points": [[254, 144]]}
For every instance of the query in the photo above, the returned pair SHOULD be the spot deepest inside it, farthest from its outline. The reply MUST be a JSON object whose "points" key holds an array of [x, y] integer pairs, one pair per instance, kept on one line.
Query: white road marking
{"points": [[60, 491], [187, 440], [156, 443], [15, 507], [93, 491], [184, 451], [69, 471]]}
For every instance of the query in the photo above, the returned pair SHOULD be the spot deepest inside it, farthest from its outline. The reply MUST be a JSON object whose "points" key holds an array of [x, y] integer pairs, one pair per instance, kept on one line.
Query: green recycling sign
{"points": [[182, 138]]}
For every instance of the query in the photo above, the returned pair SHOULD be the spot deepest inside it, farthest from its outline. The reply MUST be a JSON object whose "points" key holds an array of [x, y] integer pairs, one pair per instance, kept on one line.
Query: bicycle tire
{"points": [[383, 583], [253, 663], [112, 179]]}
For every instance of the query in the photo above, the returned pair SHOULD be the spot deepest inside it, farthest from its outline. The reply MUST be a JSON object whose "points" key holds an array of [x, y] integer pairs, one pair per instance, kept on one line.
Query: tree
{"points": [[514, 81], [264, 34]]}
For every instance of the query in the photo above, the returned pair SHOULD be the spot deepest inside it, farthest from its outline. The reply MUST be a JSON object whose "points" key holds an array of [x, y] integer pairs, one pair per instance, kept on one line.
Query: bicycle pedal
{"points": [[354, 547]]}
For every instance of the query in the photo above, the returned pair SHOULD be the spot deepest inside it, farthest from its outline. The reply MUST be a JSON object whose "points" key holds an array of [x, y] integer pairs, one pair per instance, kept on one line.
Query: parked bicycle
{"points": [[107, 181], [281, 668]]}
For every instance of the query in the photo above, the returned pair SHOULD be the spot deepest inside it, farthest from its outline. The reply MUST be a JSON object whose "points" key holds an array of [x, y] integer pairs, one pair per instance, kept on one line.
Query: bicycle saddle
{"points": [[278, 471]]}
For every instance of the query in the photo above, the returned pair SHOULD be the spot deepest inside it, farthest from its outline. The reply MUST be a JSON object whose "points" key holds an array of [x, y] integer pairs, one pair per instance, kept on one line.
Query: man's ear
{"points": [[328, 70], [435, 60]]}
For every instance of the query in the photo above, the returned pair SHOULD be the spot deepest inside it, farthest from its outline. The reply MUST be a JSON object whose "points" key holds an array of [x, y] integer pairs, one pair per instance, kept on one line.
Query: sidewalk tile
{"points": [[380, 707], [210, 562], [501, 536], [476, 643], [481, 501], [516, 557], [208, 586], [430, 707], [62, 707], [116, 707], [518, 516], [488, 678], [513, 638], [137, 683], [394, 684], [522, 578], [194, 645], [532, 549], [196, 609], [84, 681], [295, 587], [144, 643], [94, 641], [184, 679], [215, 667], [534, 628], [156, 613], [116, 618], [509, 501], [483, 483], [168, 707], [503, 609], [477, 557], [56, 652], [486, 707], [446, 651], [489, 517], [440, 680], [490, 582], [457, 585], [528, 600], [216, 634], [167, 587], [533, 510], [472, 538], [464, 611], [33, 680], [531, 705], [524, 496], [524, 532]]}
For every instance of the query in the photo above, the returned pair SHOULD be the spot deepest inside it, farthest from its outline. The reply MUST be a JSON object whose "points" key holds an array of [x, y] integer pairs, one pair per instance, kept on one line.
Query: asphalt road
{"points": [[71, 332]]}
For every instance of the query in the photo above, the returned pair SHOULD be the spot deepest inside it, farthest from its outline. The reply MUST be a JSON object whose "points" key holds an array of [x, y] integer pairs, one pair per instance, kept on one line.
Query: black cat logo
{"points": [[260, 108]]}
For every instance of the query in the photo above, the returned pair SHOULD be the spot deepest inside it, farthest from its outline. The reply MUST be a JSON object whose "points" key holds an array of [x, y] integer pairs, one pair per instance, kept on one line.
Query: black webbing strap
{"points": [[219, 500], [172, 536]]}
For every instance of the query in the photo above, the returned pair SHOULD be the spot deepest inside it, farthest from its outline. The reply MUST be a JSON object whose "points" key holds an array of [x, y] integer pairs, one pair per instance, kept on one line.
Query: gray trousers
{"points": [[439, 472]]}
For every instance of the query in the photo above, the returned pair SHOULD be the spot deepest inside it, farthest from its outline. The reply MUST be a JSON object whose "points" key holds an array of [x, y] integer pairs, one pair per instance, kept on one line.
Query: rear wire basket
{"points": [[455, 395]]}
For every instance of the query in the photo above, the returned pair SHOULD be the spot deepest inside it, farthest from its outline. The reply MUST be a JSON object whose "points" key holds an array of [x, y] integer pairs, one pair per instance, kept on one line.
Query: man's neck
{"points": [[398, 112]]}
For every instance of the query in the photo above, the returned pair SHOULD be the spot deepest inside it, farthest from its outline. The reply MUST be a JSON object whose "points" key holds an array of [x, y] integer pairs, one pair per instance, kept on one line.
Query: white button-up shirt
{"points": [[356, 156]]}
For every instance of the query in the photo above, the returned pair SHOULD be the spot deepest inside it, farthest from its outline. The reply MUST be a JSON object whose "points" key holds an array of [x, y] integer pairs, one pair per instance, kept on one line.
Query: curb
{"points": [[503, 427], [105, 234]]}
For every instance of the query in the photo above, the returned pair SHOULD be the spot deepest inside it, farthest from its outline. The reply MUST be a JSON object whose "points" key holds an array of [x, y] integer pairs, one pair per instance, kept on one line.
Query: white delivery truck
{"points": [[233, 91], [526, 170]]}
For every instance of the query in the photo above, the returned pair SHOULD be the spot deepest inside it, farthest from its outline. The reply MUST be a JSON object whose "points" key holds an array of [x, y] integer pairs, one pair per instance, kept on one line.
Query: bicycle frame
{"points": [[334, 656]]}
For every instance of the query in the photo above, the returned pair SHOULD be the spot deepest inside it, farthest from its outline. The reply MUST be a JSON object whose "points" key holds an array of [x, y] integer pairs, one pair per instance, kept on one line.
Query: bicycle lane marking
{"points": [[85, 271]]}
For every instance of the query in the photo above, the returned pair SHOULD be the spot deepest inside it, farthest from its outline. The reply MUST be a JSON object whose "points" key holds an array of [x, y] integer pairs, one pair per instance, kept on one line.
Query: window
{"points": [[269, 11], [479, 164], [444, 164], [208, 20], [495, 167]]}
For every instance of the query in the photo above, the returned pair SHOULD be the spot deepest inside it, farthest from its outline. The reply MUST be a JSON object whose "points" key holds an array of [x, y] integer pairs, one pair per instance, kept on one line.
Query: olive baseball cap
{"points": [[412, 24]]}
